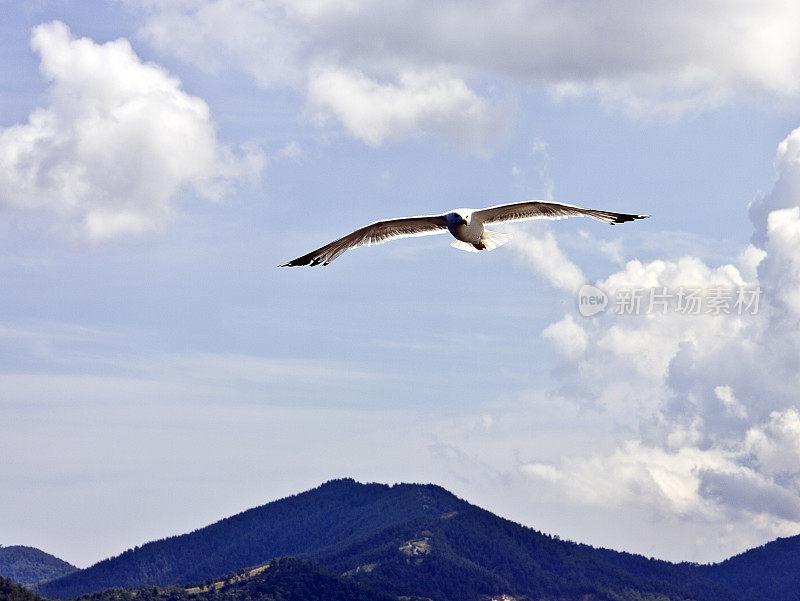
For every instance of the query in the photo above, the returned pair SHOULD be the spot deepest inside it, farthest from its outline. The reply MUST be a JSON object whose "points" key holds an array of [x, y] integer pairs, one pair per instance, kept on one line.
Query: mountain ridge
{"points": [[29, 565], [239, 548], [412, 540]]}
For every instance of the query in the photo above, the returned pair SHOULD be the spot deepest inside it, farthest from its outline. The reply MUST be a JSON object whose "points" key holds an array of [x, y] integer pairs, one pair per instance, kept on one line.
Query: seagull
{"points": [[466, 226]]}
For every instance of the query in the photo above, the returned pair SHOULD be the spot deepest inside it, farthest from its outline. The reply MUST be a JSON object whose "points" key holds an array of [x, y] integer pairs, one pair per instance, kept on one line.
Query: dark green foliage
{"points": [[475, 553], [11, 591], [287, 579], [28, 565]]}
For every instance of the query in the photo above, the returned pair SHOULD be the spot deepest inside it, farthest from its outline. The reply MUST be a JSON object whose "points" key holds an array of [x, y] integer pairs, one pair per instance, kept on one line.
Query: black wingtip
{"points": [[302, 261], [624, 218]]}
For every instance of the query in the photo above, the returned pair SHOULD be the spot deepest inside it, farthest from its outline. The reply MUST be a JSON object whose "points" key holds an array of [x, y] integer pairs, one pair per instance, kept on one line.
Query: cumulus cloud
{"points": [[640, 57], [706, 405], [634, 473], [726, 396], [418, 104], [117, 143], [567, 336], [264, 39], [775, 446], [282, 45], [542, 253], [750, 492]]}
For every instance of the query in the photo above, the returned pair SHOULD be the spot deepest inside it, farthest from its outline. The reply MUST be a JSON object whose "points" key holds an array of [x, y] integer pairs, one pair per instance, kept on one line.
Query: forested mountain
{"points": [[334, 515], [28, 565], [421, 541]]}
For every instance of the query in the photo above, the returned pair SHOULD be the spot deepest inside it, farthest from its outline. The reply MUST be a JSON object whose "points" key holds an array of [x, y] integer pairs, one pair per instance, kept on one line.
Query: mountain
{"points": [[28, 565], [407, 540], [332, 516]]}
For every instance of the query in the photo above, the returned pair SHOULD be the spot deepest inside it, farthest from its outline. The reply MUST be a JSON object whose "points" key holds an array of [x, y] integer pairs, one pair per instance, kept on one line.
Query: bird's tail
{"points": [[492, 240], [489, 241], [470, 248]]}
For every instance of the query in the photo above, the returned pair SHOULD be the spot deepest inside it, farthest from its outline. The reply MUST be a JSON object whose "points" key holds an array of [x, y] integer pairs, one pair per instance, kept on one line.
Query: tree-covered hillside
{"points": [[334, 515], [28, 565], [472, 553], [287, 579], [422, 541], [771, 571]]}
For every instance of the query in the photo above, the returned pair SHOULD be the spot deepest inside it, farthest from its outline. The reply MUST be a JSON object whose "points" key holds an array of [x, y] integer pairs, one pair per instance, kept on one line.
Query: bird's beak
{"points": [[465, 221]]}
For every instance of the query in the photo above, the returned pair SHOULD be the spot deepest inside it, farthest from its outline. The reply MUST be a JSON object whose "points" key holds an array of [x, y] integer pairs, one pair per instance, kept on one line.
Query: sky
{"points": [[160, 159]]}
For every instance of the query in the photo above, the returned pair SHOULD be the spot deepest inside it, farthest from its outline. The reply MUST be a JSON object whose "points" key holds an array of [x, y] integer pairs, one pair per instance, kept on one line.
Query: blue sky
{"points": [[158, 160]]}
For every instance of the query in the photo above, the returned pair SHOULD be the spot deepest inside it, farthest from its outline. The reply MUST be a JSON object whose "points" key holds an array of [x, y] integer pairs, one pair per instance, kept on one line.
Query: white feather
{"points": [[492, 240], [464, 246]]}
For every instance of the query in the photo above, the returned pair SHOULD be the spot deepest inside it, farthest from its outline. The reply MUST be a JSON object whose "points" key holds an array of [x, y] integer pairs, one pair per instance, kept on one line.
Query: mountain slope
{"points": [[28, 565], [472, 552], [410, 540], [288, 579], [771, 571], [331, 516]]}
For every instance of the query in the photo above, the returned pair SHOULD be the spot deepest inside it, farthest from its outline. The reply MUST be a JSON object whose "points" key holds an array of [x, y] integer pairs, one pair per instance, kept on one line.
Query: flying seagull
{"points": [[466, 226]]}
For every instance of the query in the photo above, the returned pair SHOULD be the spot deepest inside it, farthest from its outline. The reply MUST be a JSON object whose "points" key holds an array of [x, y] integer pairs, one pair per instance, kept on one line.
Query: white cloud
{"points": [[117, 143], [567, 336], [542, 254], [420, 103], [786, 190], [781, 267], [641, 57], [728, 400], [635, 474], [610, 249], [261, 38], [282, 45], [775, 446], [706, 405]]}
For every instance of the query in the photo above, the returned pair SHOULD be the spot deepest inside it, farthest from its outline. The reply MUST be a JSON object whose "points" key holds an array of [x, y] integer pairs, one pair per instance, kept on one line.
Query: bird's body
{"points": [[469, 232], [465, 225]]}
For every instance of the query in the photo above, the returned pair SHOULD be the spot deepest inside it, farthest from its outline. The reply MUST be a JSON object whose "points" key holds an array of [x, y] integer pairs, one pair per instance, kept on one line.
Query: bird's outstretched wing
{"points": [[540, 209], [374, 233]]}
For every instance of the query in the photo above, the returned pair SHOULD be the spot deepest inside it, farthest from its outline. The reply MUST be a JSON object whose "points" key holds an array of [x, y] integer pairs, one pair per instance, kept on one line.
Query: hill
{"points": [[404, 540], [334, 515], [28, 565], [287, 579]]}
